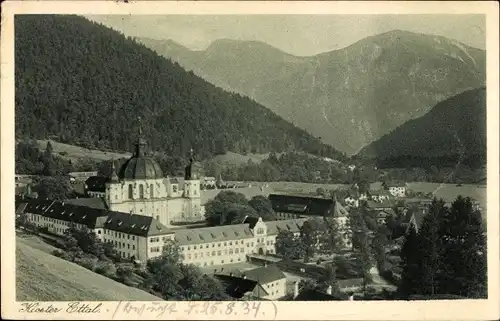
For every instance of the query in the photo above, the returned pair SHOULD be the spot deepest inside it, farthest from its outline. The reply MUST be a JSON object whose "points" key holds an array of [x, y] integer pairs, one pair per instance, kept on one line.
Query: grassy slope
{"points": [[43, 277], [74, 152]]}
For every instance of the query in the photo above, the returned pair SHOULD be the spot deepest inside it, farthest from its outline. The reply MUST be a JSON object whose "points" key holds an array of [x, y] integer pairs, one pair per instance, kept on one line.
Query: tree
{"points": [[331, 238], [226, 208], [410, 264], [464, 251], [289, 246], [54, 188], [431, 248], [329, 279], [309, 237], [378, 247], [263, 207]]}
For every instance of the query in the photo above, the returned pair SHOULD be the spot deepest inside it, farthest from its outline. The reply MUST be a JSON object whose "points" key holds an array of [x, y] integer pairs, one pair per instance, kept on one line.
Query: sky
{"points": [[300, 35]]}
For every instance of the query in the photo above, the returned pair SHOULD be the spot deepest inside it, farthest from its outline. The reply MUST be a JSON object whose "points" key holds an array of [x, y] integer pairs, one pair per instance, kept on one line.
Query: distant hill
{"points": [[44, 277], [81, 83], [348, 97], [454, 126]]}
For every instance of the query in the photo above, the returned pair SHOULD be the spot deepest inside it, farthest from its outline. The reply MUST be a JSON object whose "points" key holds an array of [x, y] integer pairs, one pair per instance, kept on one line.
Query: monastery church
{"points": [[140, 188]]}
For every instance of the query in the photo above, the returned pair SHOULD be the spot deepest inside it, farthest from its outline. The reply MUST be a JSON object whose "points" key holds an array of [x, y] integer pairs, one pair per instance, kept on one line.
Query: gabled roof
{"points": [[97, 218], [236, 287], [274, 227], [315, 295], [96, 183], [304, 205], [74, 213], [135, 224], [265, 274], [213, 234]]}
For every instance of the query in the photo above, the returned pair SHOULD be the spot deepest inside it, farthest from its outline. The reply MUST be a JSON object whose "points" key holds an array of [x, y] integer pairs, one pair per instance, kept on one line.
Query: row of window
{"points": [[120, 245], [221, 262], [216, 253], [119, 235]]}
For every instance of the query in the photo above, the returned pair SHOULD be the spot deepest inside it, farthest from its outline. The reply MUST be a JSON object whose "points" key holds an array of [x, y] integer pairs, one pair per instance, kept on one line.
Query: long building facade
{"points": [[139, 237]]}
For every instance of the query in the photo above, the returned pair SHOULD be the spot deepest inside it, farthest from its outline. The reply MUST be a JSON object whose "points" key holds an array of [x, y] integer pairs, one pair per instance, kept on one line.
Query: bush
{"points": [[89, 263], [106, 268], [58, 253]]}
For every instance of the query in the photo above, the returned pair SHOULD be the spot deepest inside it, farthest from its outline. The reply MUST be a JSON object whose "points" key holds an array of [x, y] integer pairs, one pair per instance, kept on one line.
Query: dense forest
{"points": [[454, 129], [81, 83]]}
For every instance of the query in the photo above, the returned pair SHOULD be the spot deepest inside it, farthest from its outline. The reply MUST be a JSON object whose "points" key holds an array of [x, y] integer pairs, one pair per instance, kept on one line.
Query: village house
{"points": [[268, 282], [380, 196], [351, 201], [80, 176], [396, 189]]}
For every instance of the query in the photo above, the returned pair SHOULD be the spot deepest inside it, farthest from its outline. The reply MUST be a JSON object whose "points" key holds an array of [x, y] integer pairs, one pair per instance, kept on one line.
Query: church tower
{"points": [[113, 187], [192, 190]]}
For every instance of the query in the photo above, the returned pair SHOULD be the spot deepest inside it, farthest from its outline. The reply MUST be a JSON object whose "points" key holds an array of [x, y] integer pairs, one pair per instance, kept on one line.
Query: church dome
{"points": [[140, 166]]}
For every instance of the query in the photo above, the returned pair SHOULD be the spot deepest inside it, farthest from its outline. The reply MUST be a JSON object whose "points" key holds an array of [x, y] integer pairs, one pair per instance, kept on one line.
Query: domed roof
{"points": [[140, 168]]}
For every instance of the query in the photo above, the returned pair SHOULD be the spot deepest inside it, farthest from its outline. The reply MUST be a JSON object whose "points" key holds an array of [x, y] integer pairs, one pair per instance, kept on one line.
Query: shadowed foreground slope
{"points": [[43, 277]]}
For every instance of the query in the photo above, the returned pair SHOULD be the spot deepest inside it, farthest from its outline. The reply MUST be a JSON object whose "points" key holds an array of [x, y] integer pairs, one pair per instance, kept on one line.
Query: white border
{"points": [[394, 310]]}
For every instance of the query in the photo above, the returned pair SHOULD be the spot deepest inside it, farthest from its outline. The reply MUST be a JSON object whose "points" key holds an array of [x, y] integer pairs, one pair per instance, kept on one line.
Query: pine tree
{"points": [[410, 263], [431, 248], [464, 251]]}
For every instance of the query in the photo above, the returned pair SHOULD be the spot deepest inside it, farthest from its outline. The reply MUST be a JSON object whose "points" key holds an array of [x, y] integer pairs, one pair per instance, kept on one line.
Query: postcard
{"points": [[254, 160]]}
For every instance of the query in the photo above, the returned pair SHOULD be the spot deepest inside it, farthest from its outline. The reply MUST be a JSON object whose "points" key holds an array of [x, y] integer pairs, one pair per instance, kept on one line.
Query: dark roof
{"points": [[315, 295], [97, 218], [236, 287], [96, 183], [213, 234], [265, 275], [74, 213], [141, 167], [251, 221], [134, 224], [310, 206], [92, 202]]}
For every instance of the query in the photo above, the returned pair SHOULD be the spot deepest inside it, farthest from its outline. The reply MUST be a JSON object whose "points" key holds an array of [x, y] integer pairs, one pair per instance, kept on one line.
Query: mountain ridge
{"points": [[72, 85], [350, 96]]}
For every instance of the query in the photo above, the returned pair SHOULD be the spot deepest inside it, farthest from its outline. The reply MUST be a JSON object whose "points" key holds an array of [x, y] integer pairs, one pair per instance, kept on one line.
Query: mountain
{"points": [[81, 83], [454, 126], [348, 97]]}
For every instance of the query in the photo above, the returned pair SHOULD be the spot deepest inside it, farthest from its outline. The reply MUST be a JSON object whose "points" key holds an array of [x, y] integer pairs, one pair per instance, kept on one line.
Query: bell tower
{"points": [[192, 190]]}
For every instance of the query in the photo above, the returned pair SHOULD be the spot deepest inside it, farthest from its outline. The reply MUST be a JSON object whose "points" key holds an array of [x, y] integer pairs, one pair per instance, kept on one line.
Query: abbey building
{"points": [[139, 187]]}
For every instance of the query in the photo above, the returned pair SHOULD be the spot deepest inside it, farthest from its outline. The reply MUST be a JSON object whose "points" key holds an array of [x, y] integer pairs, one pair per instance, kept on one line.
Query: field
{"points": [[75, 152], [448, 192], [231, 158], [43, 277]]}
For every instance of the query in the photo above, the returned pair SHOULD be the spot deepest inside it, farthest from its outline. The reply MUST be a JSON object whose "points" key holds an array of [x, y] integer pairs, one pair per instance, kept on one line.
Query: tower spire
{"points": [[141, 143], [113, 177]]}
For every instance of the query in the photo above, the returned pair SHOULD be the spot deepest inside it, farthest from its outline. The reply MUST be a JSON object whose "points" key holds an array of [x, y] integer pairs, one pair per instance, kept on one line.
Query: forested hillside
{"points": [[454, 127], [82, 83]]}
